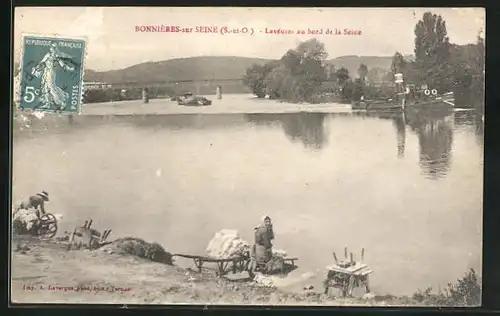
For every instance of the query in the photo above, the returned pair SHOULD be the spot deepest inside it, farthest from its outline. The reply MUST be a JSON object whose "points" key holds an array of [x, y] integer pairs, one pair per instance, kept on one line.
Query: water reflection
{"points": [[472, 120], [435, 137], [308, 128], [399, 123], [434, 130]]}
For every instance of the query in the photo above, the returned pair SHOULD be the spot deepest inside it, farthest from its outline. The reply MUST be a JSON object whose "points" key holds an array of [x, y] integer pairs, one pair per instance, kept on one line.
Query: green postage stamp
{"points": [[51, 78]]}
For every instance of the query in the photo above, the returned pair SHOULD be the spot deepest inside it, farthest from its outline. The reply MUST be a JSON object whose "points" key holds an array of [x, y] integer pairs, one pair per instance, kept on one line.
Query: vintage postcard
{"points": [[233, 156]]}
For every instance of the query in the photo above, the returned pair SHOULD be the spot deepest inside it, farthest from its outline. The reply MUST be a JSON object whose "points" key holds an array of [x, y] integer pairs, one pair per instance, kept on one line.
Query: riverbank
{"points": [[44, 272]]}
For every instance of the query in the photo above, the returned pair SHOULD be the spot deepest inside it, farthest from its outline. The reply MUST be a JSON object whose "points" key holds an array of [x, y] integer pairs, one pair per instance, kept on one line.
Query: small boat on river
{"points": [[376, 105], [440, 102], [416, 101]]}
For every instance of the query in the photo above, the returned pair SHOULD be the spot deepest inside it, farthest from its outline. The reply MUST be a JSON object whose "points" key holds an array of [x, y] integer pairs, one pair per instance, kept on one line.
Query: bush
{"points": [[466, 292], [140, 248]]}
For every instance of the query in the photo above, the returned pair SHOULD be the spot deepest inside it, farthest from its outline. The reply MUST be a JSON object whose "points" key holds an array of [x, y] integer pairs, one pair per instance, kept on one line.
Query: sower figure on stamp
{"points": [[262, 248], [51, 94], [36, 202]]}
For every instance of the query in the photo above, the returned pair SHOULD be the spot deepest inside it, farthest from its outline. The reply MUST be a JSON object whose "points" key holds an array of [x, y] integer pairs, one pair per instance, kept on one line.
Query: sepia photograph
{"points": [[247, 156]]}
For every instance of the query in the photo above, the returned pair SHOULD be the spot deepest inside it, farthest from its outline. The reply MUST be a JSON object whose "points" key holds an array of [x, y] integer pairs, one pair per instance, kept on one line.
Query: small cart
{"points": [[347, 274], [238, 263], [87, 237], [47, 226], [44, 227]]}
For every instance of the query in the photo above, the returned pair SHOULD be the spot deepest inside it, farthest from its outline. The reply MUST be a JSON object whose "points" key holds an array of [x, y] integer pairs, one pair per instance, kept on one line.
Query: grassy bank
{"points": [[44, 272]]}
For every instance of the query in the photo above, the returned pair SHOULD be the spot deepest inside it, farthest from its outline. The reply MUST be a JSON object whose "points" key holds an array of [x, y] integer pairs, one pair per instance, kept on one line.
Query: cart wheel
{"points": [[48, 226]]}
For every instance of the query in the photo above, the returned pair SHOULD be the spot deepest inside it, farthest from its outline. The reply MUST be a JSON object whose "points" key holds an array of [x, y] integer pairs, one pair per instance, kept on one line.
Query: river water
{"points": [[408, 188]]}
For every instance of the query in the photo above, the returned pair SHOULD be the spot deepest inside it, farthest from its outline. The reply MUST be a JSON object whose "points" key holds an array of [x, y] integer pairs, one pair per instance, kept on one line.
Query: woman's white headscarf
{"points": [[263, 219]]}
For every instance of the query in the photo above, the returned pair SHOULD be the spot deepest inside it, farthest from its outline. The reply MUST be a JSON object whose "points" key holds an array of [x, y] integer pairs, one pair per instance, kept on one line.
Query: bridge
{"points": [[202, 86]]}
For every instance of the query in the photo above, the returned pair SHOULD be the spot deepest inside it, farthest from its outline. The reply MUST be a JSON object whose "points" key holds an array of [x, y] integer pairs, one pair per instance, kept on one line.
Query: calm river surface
{"points": [[407, 189]]}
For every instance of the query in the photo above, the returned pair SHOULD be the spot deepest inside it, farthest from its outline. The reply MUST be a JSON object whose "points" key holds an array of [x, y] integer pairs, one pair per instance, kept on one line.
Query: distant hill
{"points": [[194, 68], [221, 67]]}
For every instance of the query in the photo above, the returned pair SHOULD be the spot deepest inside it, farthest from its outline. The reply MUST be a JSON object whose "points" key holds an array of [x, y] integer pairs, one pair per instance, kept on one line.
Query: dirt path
{"points": [[47, 273]]}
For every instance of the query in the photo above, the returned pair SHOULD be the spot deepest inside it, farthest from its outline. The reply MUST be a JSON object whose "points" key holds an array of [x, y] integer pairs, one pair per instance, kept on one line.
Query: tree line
{"points": [[442, 65], [303, 74]]}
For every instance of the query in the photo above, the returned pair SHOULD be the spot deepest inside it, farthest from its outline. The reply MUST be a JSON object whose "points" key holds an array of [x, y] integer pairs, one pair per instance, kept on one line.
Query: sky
{"points": [[113, 42]]}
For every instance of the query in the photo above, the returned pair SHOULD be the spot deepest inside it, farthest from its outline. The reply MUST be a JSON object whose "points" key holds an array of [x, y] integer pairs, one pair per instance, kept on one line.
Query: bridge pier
{"points": [[219, 92], [145, 95]]}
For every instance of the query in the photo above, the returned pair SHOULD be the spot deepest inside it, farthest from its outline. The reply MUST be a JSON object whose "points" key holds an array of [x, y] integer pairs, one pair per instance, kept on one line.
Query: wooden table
{"points": [[348, 278]]}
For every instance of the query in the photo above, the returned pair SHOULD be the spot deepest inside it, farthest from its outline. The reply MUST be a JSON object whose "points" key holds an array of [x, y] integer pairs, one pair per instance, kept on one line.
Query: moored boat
{"points": [[376, 105], [381, 105], [359, 105], [442, 102]]}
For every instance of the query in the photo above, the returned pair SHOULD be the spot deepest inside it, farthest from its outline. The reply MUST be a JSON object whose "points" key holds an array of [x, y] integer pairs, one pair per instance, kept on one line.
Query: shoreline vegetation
{"points": [[303, 74], [148, 282]]}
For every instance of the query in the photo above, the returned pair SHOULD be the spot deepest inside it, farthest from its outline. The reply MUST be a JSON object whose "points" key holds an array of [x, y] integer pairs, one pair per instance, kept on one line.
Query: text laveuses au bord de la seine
{"points": [[223, 30]]}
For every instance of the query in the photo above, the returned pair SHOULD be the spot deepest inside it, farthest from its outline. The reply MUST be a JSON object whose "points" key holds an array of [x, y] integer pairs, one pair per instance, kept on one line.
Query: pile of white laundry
{"points": [[23, 220], [227, 244]]}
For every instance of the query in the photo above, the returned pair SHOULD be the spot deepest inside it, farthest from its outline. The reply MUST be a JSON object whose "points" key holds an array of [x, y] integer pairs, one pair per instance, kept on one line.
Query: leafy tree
{"points": [[432, 50], [312, 49], [295, 77], [274, 81], [398, 64], [342, 76], [330, 72], [357, 89], [291, 60], [347, 91], [377, 75], [467, 76], [254, 78], [362, 72], [431, 41]]}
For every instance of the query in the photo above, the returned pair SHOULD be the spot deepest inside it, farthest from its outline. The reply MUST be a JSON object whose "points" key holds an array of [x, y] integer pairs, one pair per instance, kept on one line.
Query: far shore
{"points": [[230, 103]]}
